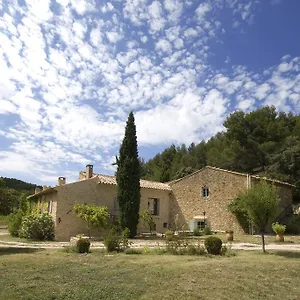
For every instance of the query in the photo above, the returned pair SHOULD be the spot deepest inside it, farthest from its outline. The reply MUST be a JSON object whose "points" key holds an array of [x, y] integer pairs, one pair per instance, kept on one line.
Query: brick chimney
{"points": [[44, 187], [89, 171], [61, 181]]}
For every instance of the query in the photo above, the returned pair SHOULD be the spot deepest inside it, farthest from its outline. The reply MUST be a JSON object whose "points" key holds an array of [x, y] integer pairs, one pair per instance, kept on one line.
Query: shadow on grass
{"points": [[288, 254], [17, 250]]}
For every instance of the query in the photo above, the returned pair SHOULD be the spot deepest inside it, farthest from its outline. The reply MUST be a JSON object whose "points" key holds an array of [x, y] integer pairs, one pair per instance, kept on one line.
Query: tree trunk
{"points": [[263, 242]]}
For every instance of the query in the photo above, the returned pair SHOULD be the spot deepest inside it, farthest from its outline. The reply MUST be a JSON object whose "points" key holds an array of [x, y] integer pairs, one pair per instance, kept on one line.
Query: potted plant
{"points": [[229, 235], [279, 229]]}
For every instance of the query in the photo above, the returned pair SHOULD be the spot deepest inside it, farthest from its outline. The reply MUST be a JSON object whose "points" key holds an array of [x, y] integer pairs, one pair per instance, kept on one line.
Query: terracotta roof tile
{"points": [[105, 179]]}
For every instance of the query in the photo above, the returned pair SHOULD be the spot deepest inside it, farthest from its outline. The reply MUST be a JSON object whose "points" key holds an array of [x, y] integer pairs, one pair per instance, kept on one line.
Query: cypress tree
{"points": [[128, 179]]}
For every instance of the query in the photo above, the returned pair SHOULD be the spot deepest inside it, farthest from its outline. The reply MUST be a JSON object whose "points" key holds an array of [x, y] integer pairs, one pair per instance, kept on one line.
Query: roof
{"points": [[233, 172], [105, 179], [44, 192]]}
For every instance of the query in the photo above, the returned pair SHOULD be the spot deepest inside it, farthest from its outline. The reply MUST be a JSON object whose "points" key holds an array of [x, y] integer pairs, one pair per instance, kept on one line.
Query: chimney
{"points": [[37, 190], [89, 171], [44, 187], [61, 181]]}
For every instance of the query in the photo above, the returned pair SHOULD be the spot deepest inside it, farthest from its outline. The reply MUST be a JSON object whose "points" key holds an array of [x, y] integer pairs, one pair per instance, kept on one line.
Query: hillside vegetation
{"points": [[12, 191], [264, 142]]}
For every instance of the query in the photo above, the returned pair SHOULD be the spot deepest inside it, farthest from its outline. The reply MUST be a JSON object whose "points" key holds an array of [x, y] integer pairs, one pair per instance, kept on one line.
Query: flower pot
{"points": [[229, 236], [279, 238]]}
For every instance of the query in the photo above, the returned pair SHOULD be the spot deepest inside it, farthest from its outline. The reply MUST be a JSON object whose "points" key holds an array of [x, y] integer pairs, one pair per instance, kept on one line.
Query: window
{"points": [[165, 225], [50, 206], [205, 192], [201, 225], [153, 206]]}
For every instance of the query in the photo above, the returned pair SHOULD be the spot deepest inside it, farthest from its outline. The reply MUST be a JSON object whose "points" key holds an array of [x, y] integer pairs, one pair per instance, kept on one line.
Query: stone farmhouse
{"points": [[187, 203]]}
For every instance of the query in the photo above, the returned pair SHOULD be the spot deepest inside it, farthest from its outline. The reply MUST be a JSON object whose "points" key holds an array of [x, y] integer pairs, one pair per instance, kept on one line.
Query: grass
{"points": [[54, 274]]}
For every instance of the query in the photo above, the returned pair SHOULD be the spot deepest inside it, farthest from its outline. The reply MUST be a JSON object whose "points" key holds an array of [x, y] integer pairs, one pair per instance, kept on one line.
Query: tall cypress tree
{"points": [[128, 179]]}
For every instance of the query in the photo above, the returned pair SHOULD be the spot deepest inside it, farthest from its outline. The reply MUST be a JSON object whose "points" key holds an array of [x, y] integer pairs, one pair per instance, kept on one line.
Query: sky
{"points": [[71, 71]]}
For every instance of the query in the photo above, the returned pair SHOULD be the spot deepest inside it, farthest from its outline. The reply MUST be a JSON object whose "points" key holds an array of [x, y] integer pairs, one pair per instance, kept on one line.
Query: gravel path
{"points": [[150, 244]]}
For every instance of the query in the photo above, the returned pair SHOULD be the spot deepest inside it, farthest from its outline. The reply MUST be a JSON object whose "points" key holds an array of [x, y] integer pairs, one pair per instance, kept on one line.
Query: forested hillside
{"points": [[263, 141], [12, 191]]}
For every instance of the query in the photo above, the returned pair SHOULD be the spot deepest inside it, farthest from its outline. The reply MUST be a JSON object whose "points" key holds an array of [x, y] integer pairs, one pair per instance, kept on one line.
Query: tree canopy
{"points": [[260, 203]]}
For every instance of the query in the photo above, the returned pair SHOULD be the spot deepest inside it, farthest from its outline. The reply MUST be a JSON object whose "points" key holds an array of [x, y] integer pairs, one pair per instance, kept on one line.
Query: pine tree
{"points": [[128, 179]]}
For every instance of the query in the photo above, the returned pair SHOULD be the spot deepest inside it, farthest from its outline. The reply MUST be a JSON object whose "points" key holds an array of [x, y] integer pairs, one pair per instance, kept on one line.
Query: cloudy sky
{"points": [[71, 71]]}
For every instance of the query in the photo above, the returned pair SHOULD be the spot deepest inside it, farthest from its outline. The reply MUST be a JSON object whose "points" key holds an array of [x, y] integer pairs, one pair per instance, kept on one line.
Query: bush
{"points": [[133, 251], [207, 230], [111, 240], [169, 235], [37, 227], [14, 223], [184, 247], [278, 228], [197, 232], [213, 245], [83, 245], [124, 239], [293, 226]]}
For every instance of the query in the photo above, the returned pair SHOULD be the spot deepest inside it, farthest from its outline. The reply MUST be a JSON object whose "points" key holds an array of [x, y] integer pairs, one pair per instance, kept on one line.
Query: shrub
{"points": [[278, 228], [133, 251], [293, 226], [83, 245], [207, 230], [111, 240], [37, 227], [184, 247], [195, 250], [124, 239], [213, 245], [14, 223], [169, 235], [197, 232]]}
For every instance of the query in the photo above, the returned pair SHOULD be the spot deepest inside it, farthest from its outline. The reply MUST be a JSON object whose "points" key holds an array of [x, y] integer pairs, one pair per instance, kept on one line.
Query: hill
{"points": [[11, 191]]}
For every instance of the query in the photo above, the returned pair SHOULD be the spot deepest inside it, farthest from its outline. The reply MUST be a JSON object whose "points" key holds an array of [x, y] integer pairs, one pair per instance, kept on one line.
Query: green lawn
{"points": [[54, 274]]}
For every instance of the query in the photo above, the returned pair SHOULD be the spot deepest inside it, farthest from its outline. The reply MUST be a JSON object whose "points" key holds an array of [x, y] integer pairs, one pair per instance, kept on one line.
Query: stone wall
{"points": [[187, 201], [91, 192]]}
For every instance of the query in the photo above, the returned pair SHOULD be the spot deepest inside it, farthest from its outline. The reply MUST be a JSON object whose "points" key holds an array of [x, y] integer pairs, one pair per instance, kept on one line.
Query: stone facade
{"points": [[182, 203], [61, 200], [188, 202]]}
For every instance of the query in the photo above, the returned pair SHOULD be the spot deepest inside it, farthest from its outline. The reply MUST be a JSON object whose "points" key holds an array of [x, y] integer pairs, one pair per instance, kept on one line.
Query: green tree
{"points": [[260, 202], [128, 179], [94, 216], [148, 220]]}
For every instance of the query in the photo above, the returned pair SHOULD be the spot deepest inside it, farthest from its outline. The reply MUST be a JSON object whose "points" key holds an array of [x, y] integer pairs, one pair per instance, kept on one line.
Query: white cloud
{"points": [[157, 22], [163, 45], [114, 37], [262, 91], [107, 8], [285, 67], [7, 107], [144, 39], [190, 32], [202, 10], [178, 43]]}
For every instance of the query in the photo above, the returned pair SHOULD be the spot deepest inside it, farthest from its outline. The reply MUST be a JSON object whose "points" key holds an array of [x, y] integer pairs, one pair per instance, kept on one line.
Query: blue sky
{"points": [[71, 71]]}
